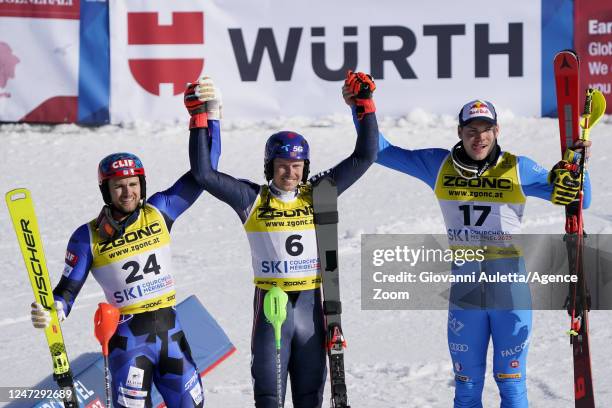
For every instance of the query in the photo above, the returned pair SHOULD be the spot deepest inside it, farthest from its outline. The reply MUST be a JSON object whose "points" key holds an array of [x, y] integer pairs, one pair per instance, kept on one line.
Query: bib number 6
{"points": [[293, 246]]}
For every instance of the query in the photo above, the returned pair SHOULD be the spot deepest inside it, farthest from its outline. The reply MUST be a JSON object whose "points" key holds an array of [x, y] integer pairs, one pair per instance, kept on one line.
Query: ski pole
{"points": [[105, 323], [275, 310]]}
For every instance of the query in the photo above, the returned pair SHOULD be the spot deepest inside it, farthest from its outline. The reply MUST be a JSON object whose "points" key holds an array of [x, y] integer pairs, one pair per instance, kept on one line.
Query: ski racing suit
{"points": [[135, 272], [489, 206], [280, 229]]}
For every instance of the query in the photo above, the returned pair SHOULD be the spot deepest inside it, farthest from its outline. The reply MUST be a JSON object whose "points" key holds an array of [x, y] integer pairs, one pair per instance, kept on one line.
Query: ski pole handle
{"points": [[585, 121], [594, 109], [275, 310], [106, 320]]}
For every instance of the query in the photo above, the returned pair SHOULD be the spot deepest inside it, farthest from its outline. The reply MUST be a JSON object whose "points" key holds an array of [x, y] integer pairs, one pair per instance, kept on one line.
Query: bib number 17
{"points": [[483, 210]]}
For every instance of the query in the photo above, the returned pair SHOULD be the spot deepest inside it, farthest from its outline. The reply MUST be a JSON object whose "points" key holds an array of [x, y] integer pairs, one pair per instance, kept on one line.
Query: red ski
{"points": [[566, 65], [568, 97]]}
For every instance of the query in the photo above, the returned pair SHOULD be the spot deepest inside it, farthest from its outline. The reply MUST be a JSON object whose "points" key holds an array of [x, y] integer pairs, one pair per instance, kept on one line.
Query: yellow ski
{"points": [[21, 209]]}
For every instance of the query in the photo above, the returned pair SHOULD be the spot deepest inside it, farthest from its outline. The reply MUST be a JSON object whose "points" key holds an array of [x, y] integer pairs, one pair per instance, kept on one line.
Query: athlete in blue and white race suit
{"points": [[278, 220], [482, 192], [127, 249]]}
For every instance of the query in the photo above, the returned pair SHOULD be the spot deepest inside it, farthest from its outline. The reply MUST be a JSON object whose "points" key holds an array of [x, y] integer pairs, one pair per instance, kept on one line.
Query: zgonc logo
{"points": [[144, 29]]}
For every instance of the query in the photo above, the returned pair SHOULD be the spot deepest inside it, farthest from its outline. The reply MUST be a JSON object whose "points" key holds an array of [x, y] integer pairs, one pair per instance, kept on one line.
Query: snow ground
{"points": [[394, 358]]}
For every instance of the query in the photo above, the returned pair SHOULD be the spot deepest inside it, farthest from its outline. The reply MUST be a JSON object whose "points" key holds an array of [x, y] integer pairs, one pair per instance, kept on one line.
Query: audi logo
{"points": [[458, 347]]}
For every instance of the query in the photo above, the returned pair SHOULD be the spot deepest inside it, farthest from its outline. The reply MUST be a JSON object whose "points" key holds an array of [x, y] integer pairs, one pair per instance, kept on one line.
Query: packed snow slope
{"points": [[394, 358]]}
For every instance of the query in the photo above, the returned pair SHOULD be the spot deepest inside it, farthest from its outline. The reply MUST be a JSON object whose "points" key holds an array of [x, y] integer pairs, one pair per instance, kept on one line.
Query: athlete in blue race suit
{"points": [[127, 249], [482, 192], [278, 220]]}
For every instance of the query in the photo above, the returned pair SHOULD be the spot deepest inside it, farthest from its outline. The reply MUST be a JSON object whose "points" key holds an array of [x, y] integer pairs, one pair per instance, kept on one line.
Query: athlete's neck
{"points": [[282, 194], [119, 215]]}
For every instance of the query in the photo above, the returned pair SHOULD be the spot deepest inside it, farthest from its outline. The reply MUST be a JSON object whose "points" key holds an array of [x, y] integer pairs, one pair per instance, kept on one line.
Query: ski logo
{"points": [[565, 63], [35, 265], [579, 388]]}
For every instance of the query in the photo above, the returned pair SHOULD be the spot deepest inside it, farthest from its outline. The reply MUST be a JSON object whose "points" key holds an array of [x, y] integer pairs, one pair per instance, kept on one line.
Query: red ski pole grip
{"points": [[105, 324]]}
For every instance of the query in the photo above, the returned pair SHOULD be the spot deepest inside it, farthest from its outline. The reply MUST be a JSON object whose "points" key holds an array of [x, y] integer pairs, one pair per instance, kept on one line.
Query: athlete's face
{"points": [[125, 193], [288, 173], [478, 138]]}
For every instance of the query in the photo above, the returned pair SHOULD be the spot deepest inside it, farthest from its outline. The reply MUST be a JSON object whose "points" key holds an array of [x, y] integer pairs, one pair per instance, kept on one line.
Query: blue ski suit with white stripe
{"points": [[491, 205]]}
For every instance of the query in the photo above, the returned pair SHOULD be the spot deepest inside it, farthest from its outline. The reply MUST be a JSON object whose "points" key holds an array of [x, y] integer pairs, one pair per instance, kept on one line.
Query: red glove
{"points": [[357, 90], [195, 107]]}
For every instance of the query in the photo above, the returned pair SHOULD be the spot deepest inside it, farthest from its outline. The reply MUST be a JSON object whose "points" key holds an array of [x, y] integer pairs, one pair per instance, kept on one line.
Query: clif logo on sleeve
{"points": [[71, 259]]}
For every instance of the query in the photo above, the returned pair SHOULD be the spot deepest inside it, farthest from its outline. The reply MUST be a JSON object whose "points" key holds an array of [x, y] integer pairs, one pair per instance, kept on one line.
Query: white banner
{"points": [[282, 58], [39, 68]]}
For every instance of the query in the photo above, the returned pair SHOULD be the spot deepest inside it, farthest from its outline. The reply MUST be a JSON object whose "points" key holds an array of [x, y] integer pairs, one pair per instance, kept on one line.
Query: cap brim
{"points": [[483, 118]]}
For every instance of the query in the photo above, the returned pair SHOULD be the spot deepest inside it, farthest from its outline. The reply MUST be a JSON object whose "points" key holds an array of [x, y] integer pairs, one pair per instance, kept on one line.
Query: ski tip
{"points": [[17, 194], [567, 51], [566, 59]]}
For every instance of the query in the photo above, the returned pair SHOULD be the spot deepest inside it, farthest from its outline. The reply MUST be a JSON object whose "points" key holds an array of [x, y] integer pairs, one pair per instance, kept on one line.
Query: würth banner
{"points": [[128, 60]]}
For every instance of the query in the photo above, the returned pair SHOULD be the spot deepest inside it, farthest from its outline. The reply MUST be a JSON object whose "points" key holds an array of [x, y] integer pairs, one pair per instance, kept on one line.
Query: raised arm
{"points": [[204, 98], [357, 92], [185, 191]]}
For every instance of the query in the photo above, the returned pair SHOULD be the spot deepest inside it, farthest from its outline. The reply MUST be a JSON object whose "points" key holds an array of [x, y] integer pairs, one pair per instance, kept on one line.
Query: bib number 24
{"points": [[150, 266]]}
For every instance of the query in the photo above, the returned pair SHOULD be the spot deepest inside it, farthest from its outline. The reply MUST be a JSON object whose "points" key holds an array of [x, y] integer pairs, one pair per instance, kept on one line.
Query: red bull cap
{"points": [[477, 109]]}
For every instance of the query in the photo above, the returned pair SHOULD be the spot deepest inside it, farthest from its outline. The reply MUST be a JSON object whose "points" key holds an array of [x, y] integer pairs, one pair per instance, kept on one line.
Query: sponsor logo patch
{"points": [[131, 402], [133, 393], [457, 347], [504, 376], [135, 377], [122, 163], [67, 270], [191, 381], [71, 259], [196, 393]]}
